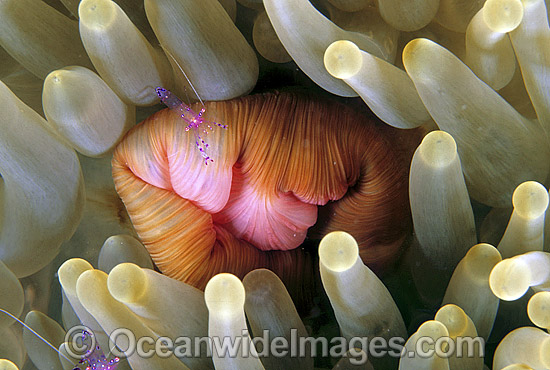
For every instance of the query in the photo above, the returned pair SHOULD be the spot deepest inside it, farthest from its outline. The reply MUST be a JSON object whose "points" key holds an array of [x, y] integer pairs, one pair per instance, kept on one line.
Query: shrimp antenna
{"points": [[35, 333], [184, 74]]}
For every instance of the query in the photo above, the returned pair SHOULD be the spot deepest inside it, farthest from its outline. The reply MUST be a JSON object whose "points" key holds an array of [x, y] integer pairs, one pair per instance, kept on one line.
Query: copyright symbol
{"points": [[80, 341]]}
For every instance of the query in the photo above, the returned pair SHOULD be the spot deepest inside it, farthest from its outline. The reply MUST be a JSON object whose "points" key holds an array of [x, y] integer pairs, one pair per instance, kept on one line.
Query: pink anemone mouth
{"points": [[281, 157]]}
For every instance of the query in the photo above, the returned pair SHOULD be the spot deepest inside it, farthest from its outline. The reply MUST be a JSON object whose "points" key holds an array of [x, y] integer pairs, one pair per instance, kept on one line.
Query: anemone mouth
{"points": [[282, 157]]}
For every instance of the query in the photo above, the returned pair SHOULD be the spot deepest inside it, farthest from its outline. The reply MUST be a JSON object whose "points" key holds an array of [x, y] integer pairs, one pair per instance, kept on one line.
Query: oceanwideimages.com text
{"points": [[124, 343]]}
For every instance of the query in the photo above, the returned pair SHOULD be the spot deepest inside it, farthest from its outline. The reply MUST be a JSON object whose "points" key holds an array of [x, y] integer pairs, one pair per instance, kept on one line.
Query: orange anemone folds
{"points": [[282, 156]]}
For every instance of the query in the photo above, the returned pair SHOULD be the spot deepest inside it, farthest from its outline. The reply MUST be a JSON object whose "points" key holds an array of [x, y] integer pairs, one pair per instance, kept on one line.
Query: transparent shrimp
{"points": [[93, 359], [195, 121]]}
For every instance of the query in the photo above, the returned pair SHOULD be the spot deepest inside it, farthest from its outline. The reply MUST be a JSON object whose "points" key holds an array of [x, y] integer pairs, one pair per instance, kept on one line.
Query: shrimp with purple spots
{"points": [[195, 121]]}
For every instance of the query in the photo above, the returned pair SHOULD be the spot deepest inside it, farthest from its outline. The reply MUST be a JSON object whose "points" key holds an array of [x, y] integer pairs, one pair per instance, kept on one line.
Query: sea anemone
{"points": [[473, 69]]}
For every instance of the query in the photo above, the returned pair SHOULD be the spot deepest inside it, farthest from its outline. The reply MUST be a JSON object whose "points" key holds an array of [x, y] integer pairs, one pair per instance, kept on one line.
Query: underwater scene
{"points": [[274, 184]]}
